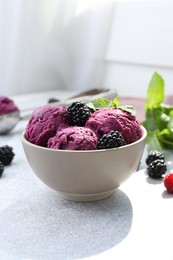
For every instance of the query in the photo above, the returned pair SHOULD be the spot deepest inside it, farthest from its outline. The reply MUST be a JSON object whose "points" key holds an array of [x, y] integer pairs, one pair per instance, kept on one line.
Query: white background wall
{"points": [[80, 44], [141, 42]]}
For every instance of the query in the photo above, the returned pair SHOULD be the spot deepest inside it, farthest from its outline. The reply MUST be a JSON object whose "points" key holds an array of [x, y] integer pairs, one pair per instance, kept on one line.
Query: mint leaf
{"points": [[100, 103], [153, 141], [166, 108], [158, 116], [90, 105], [128, 108], [150, 122], [155, 94], [116, 102], [165, 139], [170, 125], [166, 135], [162, 120], [155, 118]]}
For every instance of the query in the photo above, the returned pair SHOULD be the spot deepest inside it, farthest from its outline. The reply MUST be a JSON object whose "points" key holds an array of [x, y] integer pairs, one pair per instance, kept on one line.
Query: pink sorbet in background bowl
{"points": [[7, 106], [9, 114]]}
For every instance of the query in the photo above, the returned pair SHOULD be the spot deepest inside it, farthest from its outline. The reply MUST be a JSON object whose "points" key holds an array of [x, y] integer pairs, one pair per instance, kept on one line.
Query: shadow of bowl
{"points": [[50, 227]]}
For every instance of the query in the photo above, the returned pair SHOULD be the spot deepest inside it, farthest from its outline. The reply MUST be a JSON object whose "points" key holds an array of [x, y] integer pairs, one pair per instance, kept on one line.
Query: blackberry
{"points": [[1, 168], [111, 140], [79, 113], [154, 155], [6, 154], [156, 169]]}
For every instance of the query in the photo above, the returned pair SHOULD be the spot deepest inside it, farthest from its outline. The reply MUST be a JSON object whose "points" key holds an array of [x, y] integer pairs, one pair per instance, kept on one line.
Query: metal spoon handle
{"points": [[109, 94]]}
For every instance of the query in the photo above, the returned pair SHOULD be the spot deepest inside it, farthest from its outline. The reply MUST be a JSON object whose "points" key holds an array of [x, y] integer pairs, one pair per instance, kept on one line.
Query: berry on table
{"points": [[111, 140], [156, 169], [168, 182], [6, 154], [154, 155], [1, 168], [79, 113]]}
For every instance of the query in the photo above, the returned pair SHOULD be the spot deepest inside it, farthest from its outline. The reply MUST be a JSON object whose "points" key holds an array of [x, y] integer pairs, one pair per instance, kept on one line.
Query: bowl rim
{"points": [[143, 137]]}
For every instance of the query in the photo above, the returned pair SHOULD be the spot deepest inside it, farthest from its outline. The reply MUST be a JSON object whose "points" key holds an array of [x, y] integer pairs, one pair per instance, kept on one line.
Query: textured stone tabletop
{"points": [[36, 223]]}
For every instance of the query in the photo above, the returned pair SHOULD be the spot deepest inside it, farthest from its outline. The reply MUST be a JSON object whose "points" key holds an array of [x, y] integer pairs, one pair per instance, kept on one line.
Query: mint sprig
{"points": [[101, 103], [128, 108], [155, 93], [158, 116]]}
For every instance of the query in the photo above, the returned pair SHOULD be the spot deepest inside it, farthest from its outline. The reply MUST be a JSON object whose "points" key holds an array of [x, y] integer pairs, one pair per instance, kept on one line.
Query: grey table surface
{"points": [[36, 223]]}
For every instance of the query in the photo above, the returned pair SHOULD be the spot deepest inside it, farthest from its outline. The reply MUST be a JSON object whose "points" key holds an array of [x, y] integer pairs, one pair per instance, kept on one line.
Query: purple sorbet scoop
{"points": [[107, 119], [44, 122], [74, 138]]}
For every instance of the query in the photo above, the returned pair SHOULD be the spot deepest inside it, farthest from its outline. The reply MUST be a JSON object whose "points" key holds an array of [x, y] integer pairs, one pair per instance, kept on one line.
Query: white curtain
{"points": [[51, 44]]}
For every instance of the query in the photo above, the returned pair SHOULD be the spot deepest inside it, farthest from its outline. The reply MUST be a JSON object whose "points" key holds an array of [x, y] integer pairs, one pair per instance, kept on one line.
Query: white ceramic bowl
{"points": [[84, 175]]}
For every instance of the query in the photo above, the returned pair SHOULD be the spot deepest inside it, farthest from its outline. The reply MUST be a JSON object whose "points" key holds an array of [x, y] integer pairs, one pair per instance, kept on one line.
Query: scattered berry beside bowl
{"points": [[156, 166], [154, 155], [156, 169], [6, 154], [1, 168], [168, 182], [6, 157]]}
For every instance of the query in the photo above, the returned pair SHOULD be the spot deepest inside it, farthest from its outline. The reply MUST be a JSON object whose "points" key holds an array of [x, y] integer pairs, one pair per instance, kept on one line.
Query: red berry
{"points": [[168, 182]]}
